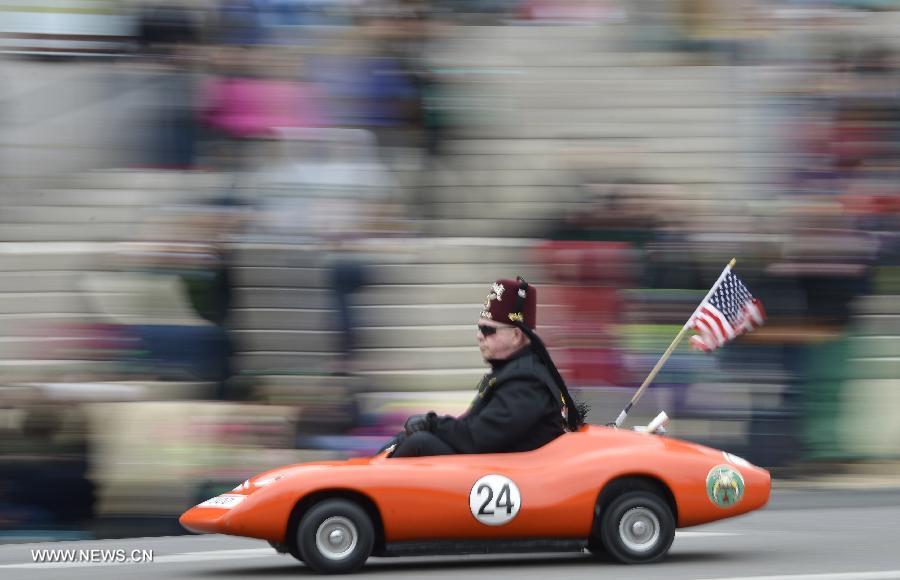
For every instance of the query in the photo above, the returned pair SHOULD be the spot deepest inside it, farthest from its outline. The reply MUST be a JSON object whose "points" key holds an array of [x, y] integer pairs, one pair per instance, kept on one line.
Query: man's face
{"points": [[500, 344]]}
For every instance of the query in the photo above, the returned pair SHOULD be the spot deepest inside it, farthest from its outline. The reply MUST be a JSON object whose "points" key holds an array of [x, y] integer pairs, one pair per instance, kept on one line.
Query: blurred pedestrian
{"points": [[167, 37]]}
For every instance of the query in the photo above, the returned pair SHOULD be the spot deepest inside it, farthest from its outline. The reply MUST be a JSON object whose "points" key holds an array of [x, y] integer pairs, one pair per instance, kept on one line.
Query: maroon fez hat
{"points": [[512, 301]]}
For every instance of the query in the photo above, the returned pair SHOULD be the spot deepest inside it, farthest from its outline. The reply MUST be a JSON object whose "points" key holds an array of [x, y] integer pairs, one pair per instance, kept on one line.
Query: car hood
{"points": [[288, 471]]}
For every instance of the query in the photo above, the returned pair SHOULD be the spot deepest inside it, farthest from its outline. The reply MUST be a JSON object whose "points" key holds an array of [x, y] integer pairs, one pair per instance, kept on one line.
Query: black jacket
{"points": [[517, 408]]}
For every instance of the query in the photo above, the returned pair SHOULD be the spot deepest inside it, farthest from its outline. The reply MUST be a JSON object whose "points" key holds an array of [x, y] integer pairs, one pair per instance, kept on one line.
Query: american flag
{"points": [[728, 313]]}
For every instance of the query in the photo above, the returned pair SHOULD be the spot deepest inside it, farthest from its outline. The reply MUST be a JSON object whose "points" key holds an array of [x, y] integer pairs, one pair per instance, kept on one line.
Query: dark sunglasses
{"points": [[489, 330]]}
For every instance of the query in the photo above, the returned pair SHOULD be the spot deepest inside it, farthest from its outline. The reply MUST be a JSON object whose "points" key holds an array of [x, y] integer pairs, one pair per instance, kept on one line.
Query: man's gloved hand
{"points": [[393, 442], [420, 423]]}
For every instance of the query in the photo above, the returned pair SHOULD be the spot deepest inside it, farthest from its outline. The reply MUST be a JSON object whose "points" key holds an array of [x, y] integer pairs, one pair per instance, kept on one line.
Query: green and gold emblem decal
{"points": [[724, 486]]}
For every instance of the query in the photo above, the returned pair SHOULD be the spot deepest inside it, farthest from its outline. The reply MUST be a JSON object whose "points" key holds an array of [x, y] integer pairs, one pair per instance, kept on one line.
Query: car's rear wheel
{"points": [[335, 536], [637, 527]]}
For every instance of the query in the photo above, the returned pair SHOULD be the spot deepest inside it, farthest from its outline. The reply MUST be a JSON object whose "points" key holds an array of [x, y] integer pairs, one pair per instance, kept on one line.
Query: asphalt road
{"points": [[801, 535]]}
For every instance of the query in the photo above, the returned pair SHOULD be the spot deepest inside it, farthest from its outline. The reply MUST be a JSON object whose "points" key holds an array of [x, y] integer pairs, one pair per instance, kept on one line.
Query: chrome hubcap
{"points": [[639, 529], [336, 538]]}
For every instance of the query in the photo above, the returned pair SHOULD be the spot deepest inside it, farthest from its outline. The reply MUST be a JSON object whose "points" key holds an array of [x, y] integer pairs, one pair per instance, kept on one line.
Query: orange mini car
{"points": [[615, 492]]}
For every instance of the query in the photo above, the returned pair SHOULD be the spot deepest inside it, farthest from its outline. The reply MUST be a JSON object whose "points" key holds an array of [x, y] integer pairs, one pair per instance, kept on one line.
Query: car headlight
{"points": [[730, 457], [266, 481]]}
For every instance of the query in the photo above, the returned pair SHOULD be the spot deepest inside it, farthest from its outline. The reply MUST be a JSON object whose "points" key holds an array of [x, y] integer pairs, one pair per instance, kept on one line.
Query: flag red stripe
{"points": [[722, 326], [754, 308], [710, 334], [703, 326], [698, 343], [744, 321]]}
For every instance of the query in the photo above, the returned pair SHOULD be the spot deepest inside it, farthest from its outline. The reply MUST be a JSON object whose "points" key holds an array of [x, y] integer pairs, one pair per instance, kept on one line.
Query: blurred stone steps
{"points": [[878, 304], [402, 315], [457, 336], [423, 294], [372, 382], [582, 38], [534, 153], [66, 232], [510, 178], [368, 337], [678, 114], [52, 256], [383, 295], [315, 341], [25, 348], [417, 359], [876, 343], [60, 281], [274, 255], [542, 202], [280, 277], [447, 401], [48, 369], [662, 116], [592, 95], [622, 76], [869, 418], [368, 360], [65, 214], [43, 302], [164, 182], [386, 274], [128, 197], [426, 380], [317, 298], [537, 53], [512, 182], [462, 251], [484, 210], [878, 324], [865, 368], [606, 128], [534, 227], [382, 251], [282, 362], [248, 298], [502, 156], [40, 324], [876, 346]]}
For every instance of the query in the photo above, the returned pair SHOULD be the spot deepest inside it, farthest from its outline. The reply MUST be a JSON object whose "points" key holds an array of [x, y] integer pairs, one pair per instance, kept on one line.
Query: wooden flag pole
{"points": [[659, 364]]}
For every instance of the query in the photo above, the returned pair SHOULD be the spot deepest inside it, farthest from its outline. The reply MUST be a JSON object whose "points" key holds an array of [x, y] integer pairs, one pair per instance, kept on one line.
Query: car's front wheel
{"points": [[637, 527], [335, 536], [289, 548]]}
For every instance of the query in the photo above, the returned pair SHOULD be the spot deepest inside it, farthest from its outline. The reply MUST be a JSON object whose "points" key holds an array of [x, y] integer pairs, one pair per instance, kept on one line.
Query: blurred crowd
{"points": [[325, 129]]}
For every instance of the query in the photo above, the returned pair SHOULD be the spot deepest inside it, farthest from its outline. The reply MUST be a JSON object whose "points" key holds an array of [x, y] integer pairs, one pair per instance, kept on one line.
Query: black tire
{"points": [[289, 548], [294, 551], [335, 536], [595, 547], [637, 527]]}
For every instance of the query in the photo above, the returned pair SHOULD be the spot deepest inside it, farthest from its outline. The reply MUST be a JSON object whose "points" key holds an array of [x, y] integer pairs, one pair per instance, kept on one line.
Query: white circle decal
{"points": [[494, 500]]}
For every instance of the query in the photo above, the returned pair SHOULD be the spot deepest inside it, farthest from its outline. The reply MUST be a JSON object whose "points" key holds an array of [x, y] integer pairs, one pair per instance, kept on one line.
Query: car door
{"points": [[490, 496]]}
